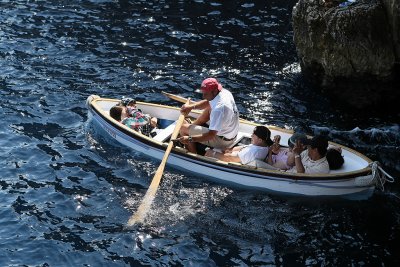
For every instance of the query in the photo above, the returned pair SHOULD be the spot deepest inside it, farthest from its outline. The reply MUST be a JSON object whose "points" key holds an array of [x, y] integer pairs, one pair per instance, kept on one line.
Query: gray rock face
{"points": [[392, 8], [349, 51]]}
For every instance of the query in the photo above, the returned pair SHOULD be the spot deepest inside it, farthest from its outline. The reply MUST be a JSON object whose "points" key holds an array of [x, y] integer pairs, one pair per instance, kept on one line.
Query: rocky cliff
{"points": [[392, 8], [349, 50]]}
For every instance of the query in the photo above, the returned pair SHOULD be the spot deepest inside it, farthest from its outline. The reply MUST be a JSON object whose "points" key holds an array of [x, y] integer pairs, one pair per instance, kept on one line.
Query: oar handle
{"points": [[177, 98]]}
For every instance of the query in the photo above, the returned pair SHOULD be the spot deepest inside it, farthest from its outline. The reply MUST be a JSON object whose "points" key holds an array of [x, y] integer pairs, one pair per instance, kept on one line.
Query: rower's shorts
{"points": [[216, 142]]}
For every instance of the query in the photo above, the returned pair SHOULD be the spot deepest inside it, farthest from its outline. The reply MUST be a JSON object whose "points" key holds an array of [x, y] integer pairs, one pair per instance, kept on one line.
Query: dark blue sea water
{"points": [[67, 190]]}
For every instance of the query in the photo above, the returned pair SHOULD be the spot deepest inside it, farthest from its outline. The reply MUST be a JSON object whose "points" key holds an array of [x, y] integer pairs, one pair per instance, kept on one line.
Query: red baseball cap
{"points": [[208, 85]]}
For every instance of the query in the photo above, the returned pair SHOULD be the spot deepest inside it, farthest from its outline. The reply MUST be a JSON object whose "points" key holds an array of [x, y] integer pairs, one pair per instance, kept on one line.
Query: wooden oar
{"points": [[176, 97], [151, 192]]}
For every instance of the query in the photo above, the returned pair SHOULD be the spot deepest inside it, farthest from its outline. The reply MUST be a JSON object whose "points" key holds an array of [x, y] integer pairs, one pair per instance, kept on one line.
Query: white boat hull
{"points": [[336, 184]]}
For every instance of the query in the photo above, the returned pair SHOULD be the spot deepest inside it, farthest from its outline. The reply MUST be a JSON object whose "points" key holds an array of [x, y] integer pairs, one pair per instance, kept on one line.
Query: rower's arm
{"points": [[204, 137], [202, 104]]}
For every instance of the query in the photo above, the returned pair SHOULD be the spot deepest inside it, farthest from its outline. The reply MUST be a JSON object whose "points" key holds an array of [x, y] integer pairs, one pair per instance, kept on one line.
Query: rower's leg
{"points": [[184, 128], [204, 117], [184, 131], [191, 147]]}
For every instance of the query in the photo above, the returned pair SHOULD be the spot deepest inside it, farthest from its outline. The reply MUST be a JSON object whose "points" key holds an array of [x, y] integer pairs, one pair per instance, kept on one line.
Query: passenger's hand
{"points": [[274, 148], [153, 122], [277, 139], [298, 148]]}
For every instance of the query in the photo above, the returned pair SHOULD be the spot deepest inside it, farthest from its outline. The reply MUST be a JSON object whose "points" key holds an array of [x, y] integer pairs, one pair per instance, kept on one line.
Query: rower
{"points": [[219, 109]]}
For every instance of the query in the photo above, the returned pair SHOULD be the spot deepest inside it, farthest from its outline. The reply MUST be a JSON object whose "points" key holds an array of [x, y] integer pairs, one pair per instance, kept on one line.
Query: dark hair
{"points": [[335, 159], [116, 112], [297, 136], [320, 143], [263, 133], [125, 101]]}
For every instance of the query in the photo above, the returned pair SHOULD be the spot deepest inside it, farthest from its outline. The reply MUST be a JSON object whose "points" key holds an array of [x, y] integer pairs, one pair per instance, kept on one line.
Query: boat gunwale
{"points": [[227, 166]]}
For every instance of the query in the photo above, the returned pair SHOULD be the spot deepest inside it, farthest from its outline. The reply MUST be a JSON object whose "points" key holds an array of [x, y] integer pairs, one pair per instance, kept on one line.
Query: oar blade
{"points": [[147, 201], [175, 97]]}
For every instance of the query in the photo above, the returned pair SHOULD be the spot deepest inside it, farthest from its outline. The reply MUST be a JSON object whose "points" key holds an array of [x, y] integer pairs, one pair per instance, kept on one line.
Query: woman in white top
{"points": [[258, 149]]}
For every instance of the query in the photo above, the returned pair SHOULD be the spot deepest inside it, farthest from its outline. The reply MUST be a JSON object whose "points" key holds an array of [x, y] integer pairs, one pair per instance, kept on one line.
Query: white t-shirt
{"points": [[252, 152], [312, 166], [224, 117]]}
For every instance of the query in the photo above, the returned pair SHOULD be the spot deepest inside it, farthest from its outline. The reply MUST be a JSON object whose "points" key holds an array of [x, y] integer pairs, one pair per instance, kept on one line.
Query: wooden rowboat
{"points": [[356, 179]]}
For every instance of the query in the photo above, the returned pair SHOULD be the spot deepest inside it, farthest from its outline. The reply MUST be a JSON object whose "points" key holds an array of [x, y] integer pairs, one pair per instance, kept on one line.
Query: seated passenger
{"points": [[312, 160], [137, 121], [149, 129], [282, 157], [334, 157], [258, 149], [130, 105]]}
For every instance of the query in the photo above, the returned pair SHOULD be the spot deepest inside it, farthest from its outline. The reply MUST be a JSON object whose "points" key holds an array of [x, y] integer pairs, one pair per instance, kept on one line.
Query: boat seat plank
{"points": [[165, 133]]}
